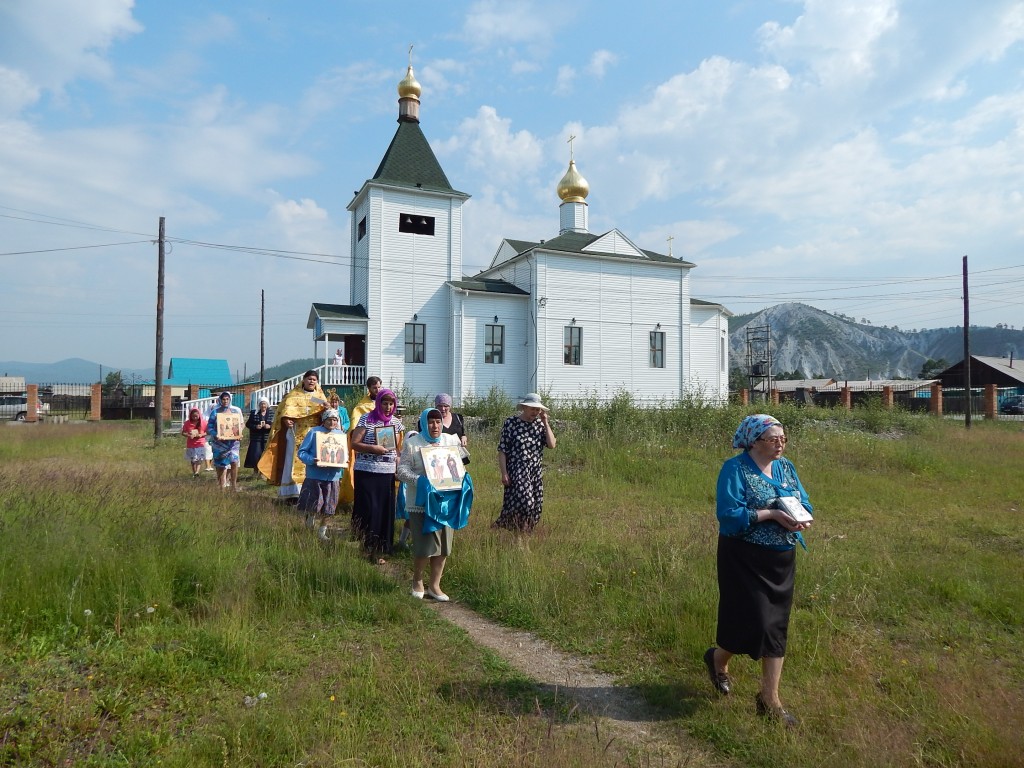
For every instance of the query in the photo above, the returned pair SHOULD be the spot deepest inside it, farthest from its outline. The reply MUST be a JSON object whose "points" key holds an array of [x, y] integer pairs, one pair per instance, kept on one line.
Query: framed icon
{"points": [[229, 426], [385, 436], [332, 449], [443, 467]]}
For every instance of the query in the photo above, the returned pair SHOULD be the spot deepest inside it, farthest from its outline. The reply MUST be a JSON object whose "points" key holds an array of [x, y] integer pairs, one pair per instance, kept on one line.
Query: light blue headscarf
{"points": [[424, 432], [752, 428]]}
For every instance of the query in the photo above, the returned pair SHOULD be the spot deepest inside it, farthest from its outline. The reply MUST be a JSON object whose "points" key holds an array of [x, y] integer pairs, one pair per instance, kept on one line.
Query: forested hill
{"points": [[819, 344]]}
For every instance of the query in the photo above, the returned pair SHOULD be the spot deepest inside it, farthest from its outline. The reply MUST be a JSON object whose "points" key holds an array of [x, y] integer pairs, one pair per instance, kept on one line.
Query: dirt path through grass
{"points": [[622, 718]]}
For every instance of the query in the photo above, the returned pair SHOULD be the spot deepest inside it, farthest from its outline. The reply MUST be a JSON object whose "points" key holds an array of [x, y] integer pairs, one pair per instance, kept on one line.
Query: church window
{"points": [[361, 229], [415, 343], [416, 224], [573, 345], [657, 349], [494, 344]]}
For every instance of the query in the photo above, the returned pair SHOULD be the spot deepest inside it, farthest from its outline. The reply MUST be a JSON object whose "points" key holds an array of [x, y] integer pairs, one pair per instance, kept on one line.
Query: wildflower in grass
{"points": [[87, 613], [263, 695], [332, 697], [151, 609]]}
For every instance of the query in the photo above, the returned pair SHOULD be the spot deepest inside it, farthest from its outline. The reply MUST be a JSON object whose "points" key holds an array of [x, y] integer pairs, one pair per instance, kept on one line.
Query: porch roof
{"points": [[335, 312]]}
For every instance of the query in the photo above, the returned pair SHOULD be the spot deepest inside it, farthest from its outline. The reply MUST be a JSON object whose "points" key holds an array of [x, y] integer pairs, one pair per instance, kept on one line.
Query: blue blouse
{"points": [[743, 489]]}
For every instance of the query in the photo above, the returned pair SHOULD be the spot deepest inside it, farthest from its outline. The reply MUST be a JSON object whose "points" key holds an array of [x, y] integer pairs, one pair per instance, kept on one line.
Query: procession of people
{"points": [[322, 457]]}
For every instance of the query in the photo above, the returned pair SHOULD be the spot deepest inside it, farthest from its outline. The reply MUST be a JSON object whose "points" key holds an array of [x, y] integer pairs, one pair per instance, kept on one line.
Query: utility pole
{"points": [[967, 351], [158, 417], [263, 322]]}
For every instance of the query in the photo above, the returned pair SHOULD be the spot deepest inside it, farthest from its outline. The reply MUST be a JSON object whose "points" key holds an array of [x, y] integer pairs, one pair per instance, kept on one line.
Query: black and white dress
{"points": [[523, 444]]}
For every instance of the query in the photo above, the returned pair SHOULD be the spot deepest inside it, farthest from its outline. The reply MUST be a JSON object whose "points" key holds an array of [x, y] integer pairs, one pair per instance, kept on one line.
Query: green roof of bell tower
{"points": [[410, 162]]}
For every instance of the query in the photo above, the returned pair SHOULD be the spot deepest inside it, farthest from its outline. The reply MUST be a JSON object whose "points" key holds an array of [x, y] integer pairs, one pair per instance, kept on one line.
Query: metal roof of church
{"points": [[576, 242], [335, 312], [410, 162], [488, 286]]}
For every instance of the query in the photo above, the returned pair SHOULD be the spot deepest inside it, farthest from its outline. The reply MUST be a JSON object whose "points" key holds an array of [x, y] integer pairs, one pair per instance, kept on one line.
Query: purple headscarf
{"points": [[443, 399], [752, 428], [376, 416]]}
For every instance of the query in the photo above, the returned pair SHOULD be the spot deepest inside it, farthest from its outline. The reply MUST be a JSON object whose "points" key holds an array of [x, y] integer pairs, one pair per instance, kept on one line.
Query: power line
{"points": [[74, 248]]}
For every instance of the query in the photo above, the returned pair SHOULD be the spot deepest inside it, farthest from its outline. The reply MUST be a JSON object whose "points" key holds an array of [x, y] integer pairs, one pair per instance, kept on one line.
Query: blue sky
{"points": [[843, 154]]}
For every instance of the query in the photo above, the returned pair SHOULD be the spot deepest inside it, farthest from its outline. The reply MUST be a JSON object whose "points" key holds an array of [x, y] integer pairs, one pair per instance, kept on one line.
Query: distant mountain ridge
{"points": [[73, 370], [821, 345]]}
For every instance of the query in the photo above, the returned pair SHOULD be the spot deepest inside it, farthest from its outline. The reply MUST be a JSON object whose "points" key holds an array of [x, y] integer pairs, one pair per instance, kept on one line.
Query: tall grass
{"points": [[909, 606], [904, 643], [148, 618]]}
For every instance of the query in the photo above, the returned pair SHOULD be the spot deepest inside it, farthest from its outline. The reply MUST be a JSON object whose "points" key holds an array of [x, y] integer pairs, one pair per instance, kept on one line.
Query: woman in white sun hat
{"points": [[520, 450]]}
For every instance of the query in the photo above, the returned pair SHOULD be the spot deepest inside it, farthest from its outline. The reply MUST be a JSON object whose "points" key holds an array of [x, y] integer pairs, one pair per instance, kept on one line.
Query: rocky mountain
{"points": [[821, 345]]}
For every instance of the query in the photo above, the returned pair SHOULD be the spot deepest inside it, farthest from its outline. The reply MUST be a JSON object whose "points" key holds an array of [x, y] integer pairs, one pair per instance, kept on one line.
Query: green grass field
{"points": [[139, 608]]}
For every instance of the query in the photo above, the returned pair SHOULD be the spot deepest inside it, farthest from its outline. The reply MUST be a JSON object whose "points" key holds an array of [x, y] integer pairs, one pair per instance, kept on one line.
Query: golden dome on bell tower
{"points": [[409, 87], [409, 91], [573, 188]]}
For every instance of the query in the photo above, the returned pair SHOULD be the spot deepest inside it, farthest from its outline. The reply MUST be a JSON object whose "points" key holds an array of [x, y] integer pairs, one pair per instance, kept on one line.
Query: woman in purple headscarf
{"points": [[378, 439], [757, 542]]}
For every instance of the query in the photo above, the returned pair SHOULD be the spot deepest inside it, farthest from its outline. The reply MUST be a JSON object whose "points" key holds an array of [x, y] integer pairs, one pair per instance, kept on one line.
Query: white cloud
{"points": [[565, 79], [16, 91], [490, 23], [55, 41], [487, 143], [838, 41], [600, 61], [290, 212], [357, 85]]}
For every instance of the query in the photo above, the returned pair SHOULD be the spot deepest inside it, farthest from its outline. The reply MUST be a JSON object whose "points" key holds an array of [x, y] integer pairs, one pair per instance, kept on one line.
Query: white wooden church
{"points": [[576, 315]]}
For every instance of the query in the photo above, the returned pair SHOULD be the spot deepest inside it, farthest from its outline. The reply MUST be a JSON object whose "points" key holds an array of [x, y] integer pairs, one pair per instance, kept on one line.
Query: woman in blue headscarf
{"points": [[756, 559], [433, 515]]}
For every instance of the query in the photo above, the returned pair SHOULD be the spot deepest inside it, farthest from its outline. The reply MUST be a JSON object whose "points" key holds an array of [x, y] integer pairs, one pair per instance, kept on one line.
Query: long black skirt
{"points": [[257, 445], [755, 595], [373, 510]]}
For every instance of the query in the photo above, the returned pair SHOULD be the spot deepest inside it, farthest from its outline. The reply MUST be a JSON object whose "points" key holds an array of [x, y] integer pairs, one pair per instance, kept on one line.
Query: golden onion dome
{"points": [[409, 87], [573, 188]]}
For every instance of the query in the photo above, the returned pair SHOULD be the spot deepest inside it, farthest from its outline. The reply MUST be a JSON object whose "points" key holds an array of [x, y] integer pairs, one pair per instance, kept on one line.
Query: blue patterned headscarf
{"points": [[424, 432], [752, 428]]}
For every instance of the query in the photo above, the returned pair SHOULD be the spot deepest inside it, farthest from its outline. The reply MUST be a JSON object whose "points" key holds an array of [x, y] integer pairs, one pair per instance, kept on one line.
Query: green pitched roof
{"points": [[410, 162], [576, 242], [488, 286]]}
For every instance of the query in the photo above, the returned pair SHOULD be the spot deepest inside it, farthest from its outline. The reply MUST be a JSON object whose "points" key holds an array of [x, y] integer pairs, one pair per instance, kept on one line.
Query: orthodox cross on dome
{"points": [[571, 140], [410, 55], [670, 238]]}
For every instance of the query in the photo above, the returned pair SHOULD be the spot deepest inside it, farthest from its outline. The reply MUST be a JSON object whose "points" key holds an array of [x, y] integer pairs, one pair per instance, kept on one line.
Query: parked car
{"points": [[15, 407], [1012, 405]]}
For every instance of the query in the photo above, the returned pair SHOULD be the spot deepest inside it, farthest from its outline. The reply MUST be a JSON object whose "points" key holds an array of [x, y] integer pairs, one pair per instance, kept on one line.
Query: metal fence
{"points": [[65, 402]]}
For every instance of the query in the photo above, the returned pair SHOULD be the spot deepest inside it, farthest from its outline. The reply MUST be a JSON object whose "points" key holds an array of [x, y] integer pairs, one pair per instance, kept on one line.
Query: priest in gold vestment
{"points": [[294, 416]]}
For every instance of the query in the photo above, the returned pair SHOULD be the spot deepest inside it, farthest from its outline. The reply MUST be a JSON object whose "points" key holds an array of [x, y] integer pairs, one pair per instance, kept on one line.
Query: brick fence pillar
{"points": [[887, 399], [32, 407], [165, 407], [96, 402], [775, 397], [845, 398], [745, 397], [991, 398], [935, 407]]}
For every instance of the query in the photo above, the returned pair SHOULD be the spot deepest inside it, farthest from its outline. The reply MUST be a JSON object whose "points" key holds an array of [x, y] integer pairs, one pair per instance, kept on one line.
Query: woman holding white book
{"points": [[757, 559]]}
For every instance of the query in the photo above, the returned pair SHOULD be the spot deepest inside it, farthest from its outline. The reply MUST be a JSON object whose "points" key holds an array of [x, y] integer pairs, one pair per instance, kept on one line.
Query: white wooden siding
{"points": [[616, 304], [511, 377], [708, 325]]}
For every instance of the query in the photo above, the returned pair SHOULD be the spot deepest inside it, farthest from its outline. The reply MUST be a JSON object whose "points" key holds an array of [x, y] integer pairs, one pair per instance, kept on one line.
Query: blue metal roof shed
{"points": [[184, 371]]}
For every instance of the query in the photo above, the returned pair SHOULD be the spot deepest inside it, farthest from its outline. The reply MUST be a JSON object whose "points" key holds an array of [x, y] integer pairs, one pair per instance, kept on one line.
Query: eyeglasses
{"points": [[773, 440]]}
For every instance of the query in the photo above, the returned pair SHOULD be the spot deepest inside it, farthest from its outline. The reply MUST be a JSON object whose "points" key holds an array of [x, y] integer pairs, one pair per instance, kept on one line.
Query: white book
{"points": [[792, 507]]}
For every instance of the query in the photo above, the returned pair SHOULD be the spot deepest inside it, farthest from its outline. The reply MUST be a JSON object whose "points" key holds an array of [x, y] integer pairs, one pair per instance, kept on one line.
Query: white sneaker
{"points": [[322, 534]]}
